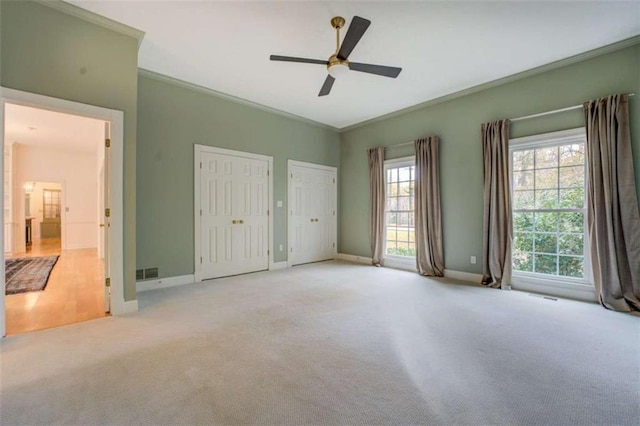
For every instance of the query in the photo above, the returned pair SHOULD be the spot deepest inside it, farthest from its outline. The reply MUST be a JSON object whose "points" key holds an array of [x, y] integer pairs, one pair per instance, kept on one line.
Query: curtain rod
{"points": [[555, 111], [526, 117]]}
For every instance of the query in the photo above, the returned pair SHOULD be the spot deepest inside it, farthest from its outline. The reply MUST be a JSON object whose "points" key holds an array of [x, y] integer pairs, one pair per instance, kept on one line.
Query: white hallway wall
{"points": [[77, 171]]}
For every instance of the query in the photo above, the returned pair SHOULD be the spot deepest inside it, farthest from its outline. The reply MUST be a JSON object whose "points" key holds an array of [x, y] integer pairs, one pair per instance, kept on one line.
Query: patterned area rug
{"points": [[28, 273]]}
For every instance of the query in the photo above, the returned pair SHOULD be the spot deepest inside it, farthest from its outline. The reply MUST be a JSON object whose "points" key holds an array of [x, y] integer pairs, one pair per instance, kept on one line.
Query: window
{"points": [[548, 202], [399, 211], [51, 201]]}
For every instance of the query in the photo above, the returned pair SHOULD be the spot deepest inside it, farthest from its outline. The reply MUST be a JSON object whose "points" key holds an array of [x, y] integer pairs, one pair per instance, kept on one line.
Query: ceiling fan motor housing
{"points": [[337, 67]]}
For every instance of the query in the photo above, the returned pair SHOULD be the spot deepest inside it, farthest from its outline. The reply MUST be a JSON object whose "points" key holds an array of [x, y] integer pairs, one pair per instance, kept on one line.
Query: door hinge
{"points": [[201, 164], [334, 245], [200, 212], [107, 212], [268, 251], [291, 249], [200, 259], [334, 181], [267, 172], [107, 143], [107, 282], [291, 175], [267, 212], [334, 212]]}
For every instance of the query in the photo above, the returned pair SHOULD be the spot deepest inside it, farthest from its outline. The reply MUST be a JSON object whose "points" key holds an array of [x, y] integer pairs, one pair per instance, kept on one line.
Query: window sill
{"points": [[400, 262], [561, 287]]}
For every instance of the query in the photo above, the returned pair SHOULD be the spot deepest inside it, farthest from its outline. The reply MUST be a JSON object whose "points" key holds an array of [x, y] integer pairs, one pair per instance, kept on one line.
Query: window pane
{"points": [[547, 157], [546, 178], [405, 188], [546, 243], [392, 218], [546, 199], [572, 177], [404, 203], [391, 233], [392, 203], [546, 264], [546, 222], [523, 222], [522, 200], [572, 154], [522, 261], [523, 180], [571, 244], [572, 198], [571, 222], [391, 247], [523, 160], [571, 266], [412, 250], [523, 241], [392, 175], [403, 235], [403, 174]]}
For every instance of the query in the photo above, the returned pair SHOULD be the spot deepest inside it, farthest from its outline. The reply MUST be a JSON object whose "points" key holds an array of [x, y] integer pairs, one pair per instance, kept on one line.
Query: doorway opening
{"points": [[54, 185]]}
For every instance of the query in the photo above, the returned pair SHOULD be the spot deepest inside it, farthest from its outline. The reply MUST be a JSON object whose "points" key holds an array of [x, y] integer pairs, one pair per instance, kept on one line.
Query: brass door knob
{"points": [[241, 221], [311, 220], [102, 225], [234, 222]]}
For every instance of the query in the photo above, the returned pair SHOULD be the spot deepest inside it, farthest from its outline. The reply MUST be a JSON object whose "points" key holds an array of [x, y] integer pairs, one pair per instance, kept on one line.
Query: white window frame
{"points": [[391, 260], [580, 288]]}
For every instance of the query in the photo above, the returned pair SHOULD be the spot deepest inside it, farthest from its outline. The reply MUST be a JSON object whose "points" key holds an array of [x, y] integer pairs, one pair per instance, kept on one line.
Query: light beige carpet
{"points": [[330, 343]]}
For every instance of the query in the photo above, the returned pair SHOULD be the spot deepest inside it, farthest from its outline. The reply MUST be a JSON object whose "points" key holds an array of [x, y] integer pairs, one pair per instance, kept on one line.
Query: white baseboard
{"points": [[164, 282], [463, 276], [354, 259], [278, 265], [130, 306]]}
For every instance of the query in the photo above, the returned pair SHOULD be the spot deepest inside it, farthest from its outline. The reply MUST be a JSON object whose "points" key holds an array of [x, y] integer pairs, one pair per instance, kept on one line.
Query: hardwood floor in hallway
{"points": [[74, 293]]}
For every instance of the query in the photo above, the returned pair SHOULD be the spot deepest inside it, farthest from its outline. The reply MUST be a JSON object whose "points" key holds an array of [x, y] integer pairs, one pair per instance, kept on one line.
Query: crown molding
{"points": [[94, 18], [205, 90], [504, 80]]}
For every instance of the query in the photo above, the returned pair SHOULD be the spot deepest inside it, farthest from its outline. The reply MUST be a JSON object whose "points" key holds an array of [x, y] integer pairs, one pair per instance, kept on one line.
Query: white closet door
{"points": [[234, 219], [312, 195]]}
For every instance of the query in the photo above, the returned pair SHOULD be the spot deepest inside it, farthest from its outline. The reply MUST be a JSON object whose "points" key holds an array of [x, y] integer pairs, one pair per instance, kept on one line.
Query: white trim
{"points": [[197, 158], [554, 287], [164, 283], [463, 276], [400, 262], [278, 265], [129, 307], [94, 18], [118, 305], [332, 169], [409, 160], [551, 138], [210, 92], [354, 259]]}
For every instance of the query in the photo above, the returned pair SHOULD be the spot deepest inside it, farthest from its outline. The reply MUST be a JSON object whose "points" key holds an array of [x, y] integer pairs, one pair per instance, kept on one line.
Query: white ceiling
{"points": [[443, 47], [53, 130]]}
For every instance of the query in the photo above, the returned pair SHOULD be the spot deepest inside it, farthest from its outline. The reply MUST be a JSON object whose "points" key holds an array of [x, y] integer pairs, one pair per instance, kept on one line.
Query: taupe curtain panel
{"points": [[497, 205], [612, 204], [377, 202], [428, 222]]}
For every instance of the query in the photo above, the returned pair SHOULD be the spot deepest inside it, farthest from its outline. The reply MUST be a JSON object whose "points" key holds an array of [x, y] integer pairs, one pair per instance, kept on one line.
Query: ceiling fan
{"points": [[337, 64]]}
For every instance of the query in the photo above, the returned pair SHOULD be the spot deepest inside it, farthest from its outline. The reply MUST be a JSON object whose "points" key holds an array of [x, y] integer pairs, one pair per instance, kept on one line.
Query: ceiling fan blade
{"points": [[356, 29], [302, 60], [326, 87], [375, 69]]}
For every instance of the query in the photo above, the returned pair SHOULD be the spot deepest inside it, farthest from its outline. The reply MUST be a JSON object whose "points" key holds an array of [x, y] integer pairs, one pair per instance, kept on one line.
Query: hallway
{"points": [[74, 292]]}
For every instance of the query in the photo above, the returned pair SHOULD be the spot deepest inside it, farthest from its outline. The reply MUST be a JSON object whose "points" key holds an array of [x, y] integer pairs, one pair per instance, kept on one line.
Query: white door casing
{"points": [[116, 118], [233, 226], [312, 212]]}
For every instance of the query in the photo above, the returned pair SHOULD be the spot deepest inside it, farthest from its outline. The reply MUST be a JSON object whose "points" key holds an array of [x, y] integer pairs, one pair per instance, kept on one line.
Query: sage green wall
{"points": [[45, 51], [171, 119], [457, 122]]}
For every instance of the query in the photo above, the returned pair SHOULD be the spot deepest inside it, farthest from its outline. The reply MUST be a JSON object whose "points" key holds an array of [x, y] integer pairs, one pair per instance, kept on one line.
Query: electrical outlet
{"points": [[281, 247], [279, 203], [473, 260]]}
